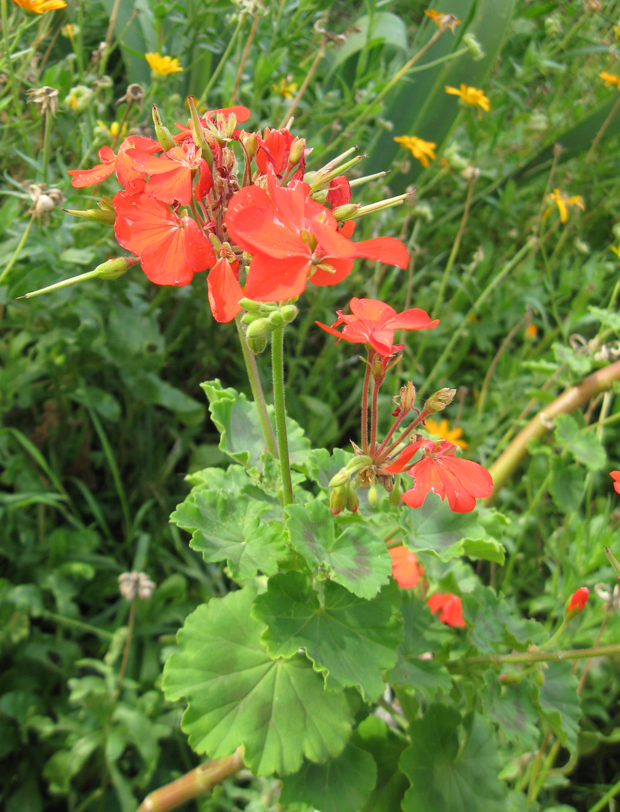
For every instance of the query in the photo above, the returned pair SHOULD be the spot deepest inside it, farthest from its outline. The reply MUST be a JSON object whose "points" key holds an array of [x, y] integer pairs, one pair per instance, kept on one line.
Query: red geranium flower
{"points": [[461, 481], [615, 475], [274, 149], [121, 164], [450, 608], [405, 567], [172, 174], [339, 192], [171, 248], [292, 238], [224, 290], [374, 322], [578, 601], [241, 114]]}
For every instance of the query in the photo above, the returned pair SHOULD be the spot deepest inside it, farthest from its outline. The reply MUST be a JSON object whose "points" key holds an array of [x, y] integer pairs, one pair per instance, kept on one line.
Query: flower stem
{"points": [[277, 361], [601, 132], [257, 391], [376, 385], [223, 60], [419, 419], [46, 144], [365, 387], [17, 251], [130, 624], [11, 74], [192, 784], [536, 656], [244, 57]]}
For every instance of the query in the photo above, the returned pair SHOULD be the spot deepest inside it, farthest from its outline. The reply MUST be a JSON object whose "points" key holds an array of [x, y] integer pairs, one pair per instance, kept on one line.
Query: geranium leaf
{"points": [[559, 702], [446, 774], [350, 639], [426, 676], [277, 709], [342, 784], [385, 746], [356, 558], [583, 445], [322, 465], [511, 707], [229, 526], [492, 625]]}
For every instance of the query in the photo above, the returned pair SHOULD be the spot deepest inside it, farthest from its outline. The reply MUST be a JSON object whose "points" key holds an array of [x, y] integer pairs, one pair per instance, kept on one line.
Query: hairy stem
{"points": [[277, 360], [365, 387], [536, 656]]}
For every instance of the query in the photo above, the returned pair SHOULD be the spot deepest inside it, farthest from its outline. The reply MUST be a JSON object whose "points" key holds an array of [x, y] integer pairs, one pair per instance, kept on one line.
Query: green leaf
{"points": [[577, 362], [511, 707], [434, 528], [559, 702], [229, 526], [583, 445], [385, 746], [339, 785], [566, 484], [606, 317], [350, 639], [322, 465], [491, 624], [357, 558], [426, 676], [446, 775], [241, 435], [277, 709]]}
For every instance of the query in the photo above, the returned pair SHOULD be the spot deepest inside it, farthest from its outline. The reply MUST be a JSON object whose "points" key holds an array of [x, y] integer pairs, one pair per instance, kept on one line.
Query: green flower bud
{"points": [[257, 345], [511, 678], [251, 305], [473, 47], [338, 500], [96, 215], [352, 501], [539, 678], [289, 313], [373, 496], [395, 495], [164, 136], [439, 401], [258, 328], [275, 319], [248, 318]]}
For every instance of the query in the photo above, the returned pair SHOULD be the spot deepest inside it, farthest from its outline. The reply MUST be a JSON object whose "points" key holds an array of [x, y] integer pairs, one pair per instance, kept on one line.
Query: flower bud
{"points": [[250, 142], [373, 496], [96, 215], [338, 500], [258, 328], [575, 605], [394, 497], [347, 211], [163, 134], [114, 268], [198, 133], [539, 678], [251, 306], [275, 319], [439, 401], [248, 318], [352, 501], [474, 48], [296, 153], [289, 313], [613, 561], [257, 345], [340, 479], [511, 678]]}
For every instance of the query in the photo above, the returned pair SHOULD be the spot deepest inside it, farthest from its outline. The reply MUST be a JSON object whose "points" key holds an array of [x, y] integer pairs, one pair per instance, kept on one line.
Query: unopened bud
{"points": [[298, 147], [249, 318], [352, 501], [406, 400], [198, 133], [114, 268], [275, 319], [95, 215], [258, 328], [373, 496], [257, 345], [340, 479], [348, 211], [250, 142], [439, 401], [539, 678], [474, 49], [289, 313], [395, 494], [511, 678], [163, 134], [338, 500], [576, 603]]}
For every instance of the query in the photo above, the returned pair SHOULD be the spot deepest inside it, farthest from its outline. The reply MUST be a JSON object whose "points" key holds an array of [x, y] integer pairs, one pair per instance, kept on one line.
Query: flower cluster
{"points": [[238, 203]]}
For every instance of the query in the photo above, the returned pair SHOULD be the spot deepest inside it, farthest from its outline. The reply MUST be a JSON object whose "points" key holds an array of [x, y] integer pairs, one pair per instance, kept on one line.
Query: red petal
{"points": [[388, 250], [342, 268], [271, 280], [373, 310], [333, 244], [88, 177], [414, 319], [253, 223], [174, 185], [224, 291], [405, 568]]}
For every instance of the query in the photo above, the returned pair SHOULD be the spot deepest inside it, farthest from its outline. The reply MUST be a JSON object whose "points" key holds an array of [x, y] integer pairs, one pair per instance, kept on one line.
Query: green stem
{"points": [[277, 360], [77, 624], [46, 144], [611, 793], [536, 656], [17, 251], [509, 266], [11, 74], [365, 387], [257, 391], [223, 60]]}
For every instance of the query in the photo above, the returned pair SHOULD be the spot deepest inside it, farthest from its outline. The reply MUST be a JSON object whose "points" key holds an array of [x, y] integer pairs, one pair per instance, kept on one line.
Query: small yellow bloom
{"points": [[616, 250], [285, 89], [471, 96], [163, 65], [40, 6], [616, 30], [422, 150], [446, 20], [68, 31], [443, 431], [114, 130], [562, 201], [610, 79], [531, 331]]}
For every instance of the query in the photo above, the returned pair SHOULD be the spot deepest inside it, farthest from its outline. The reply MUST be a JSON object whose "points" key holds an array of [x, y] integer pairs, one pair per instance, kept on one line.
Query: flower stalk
{"points": [[277, 361]]}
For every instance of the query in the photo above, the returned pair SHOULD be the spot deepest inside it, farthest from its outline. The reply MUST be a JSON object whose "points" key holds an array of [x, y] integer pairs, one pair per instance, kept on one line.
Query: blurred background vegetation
{"points": [[102, 414]]}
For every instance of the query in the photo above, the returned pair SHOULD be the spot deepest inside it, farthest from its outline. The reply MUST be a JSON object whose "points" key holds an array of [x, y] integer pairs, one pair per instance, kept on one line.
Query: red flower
{"points": [[374, 322], [171, 248], [578, 601], [450, 608], [224, 290], [121, 164], [462, 481], [615, 475], [274, 150], [405, 567], [292, 238], [172, 174], [241, 114], [339, 192]]}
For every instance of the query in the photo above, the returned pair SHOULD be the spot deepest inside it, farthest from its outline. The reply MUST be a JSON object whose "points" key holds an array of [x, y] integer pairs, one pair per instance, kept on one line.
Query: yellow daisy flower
{"points": [[610, 79], [447, 20], [444, 432], [422, 150], [163, 65], [40, 6], [471, 96], [285, 89], [562, 201]]}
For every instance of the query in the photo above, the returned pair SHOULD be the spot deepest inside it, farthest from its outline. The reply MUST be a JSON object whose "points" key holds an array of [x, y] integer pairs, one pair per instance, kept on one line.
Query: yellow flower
{"points": [[285, 89], [40, 6], [562, 201], [610, 79], [443, 431], [113, 130], [68, 31], [531, 331], [422, 150], [446, 20], [163, 65], [471, 96]]}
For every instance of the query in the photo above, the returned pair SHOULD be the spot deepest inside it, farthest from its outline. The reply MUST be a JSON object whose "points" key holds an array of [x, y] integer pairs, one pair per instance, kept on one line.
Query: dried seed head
{"points": [[46, 97], [133, 95], [132, 584]]}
